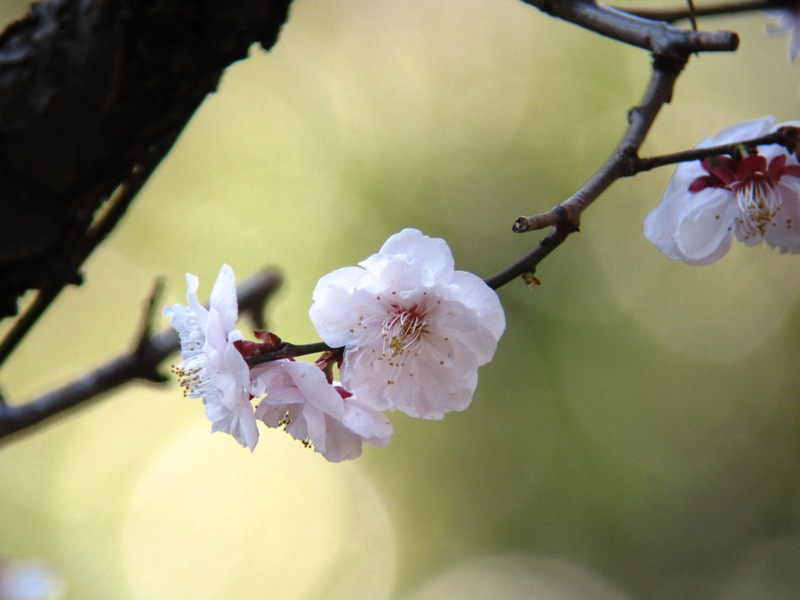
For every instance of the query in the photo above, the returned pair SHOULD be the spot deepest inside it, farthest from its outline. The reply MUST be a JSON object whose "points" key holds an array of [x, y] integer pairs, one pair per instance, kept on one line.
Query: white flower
{"points": [[786, 21], [753, 197], [317, 413], [213, 369], [415, 331]]}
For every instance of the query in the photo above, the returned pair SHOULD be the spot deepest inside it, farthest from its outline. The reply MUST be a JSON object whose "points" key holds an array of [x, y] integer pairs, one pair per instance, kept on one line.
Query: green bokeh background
{"points": [[637, 434]]}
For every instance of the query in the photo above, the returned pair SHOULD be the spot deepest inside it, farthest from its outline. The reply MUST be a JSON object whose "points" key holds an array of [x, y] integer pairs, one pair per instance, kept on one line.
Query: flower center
{"points": [[754, 183], [193, 376], [403, 330], [758, 202]]}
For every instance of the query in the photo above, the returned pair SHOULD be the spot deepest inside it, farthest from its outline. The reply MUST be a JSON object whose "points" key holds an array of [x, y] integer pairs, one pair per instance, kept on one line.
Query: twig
{"points": [[658, 37], [786, 136], [564, 214], [671, 48], [287, 350], [678, 14], [140, 363]]}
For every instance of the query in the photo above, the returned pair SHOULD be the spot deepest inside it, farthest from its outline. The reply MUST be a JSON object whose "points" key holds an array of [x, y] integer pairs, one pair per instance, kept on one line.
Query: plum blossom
{"points": [[753, 196], [213, 368], [321, 415], [786, 22], [414, 329]]}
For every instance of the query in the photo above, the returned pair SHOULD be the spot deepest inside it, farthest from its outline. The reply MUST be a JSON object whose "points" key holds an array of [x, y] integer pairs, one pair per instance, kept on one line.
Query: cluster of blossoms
{"points": [[412, 332], [752, 194]]}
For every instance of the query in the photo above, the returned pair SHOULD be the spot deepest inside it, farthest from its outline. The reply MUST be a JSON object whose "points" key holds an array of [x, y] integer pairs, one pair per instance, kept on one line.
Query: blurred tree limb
{"points": [[141, 363], [93, 94]]}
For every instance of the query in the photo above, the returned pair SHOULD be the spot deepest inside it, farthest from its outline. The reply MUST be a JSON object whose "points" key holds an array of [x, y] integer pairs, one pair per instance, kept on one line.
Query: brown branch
{"points": [[629, 165], [288, 350], [658, 37], [678, 14], [140, 363], [671, 48], [786, 136]]}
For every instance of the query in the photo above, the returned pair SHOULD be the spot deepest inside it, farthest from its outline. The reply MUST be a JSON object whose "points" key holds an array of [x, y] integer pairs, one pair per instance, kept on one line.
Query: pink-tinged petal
{"points": [[476, 295], [238, 421], [314, 386], [223, 297], [341, 443], [432, 255], [311, 426], [216, 338], [429, 260], [661, 224], [705, 233], [192, 284], [338, 306], [370, 424], [396, 273], [784, 232]]}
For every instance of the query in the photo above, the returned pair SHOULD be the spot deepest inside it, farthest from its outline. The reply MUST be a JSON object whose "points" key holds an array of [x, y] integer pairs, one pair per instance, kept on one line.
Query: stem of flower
{"points": [[287, 350]]}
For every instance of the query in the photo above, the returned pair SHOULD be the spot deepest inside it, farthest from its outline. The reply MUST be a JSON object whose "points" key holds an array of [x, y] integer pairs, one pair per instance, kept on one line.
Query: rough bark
{"points": [[88, 90]]}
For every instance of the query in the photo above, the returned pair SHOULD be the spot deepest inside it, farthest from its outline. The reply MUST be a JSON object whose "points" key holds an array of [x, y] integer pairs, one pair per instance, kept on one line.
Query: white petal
{"points": [[785, 231], [661, 225], [338, 306], [705, 232], [478, 296], [430, 258], [312, 383], [223, 297], [368, 423], [238, 422], [340, 443]]}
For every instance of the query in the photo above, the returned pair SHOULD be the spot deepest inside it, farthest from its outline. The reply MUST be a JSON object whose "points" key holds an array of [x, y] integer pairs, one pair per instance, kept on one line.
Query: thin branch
{"points": [[786, 136], [140, 363], [562, 214], [671, 48], [566, 216], [678, 14], [287, 350], [528, 263], [658, 37]]}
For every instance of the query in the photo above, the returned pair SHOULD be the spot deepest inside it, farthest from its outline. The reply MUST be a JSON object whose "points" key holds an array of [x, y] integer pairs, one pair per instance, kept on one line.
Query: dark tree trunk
{"points": [[88, 90]]}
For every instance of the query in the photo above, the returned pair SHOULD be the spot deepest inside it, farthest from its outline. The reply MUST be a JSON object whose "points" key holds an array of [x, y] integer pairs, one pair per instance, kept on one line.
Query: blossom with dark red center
{"points": [[414, 329], [753, 196], [754, 183]]}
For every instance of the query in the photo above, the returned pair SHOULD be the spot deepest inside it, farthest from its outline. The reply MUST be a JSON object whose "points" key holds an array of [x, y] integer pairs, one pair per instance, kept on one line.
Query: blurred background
{"points": [[637, 434]]}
